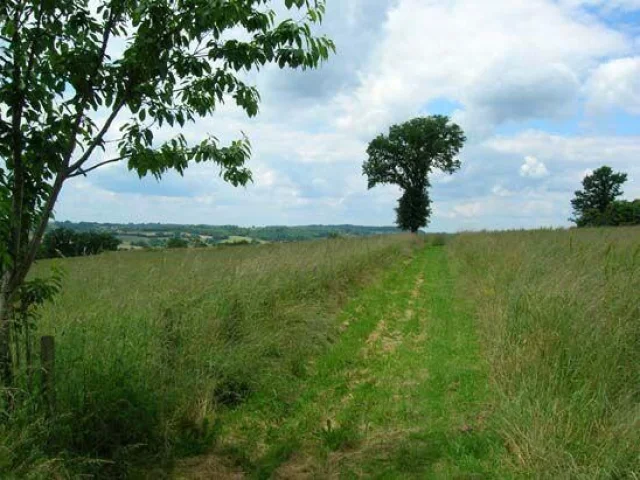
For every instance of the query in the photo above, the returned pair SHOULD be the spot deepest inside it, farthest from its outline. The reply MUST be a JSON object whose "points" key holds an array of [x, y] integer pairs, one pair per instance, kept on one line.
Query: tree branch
{"points": [[17, 193], [38, 233], [79, 171], [81, 104], [26, 7], [21, 269], [32, 48], [97, 140]]}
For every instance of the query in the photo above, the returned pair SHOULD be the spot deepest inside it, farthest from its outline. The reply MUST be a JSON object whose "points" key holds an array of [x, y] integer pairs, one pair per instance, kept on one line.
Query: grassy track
{"points": [[401, 395]]}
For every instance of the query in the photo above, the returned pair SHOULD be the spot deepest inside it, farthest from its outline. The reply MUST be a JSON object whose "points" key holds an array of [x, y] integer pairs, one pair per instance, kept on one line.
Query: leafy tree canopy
{"points": [[406, 156], [600, 190]]}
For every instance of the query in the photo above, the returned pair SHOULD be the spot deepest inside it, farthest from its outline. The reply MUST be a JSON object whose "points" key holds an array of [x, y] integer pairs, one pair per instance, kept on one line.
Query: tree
{"points": [[64, 242], [407, 156], [177, 242], [60, 242], [600, 189], [71, 69], [618, 212], [626, 213]]}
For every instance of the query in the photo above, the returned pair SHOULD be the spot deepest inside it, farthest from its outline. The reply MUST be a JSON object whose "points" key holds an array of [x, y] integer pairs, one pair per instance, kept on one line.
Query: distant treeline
{"points": [[616, 213], [65, 242], [218, 233]]}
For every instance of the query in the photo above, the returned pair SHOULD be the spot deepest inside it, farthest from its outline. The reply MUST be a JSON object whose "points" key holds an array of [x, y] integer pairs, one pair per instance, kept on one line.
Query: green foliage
{"points": [[414, 209], [407, 156], [594, 205], [69, 69], [140, 243], [623, 212], [618, 212], [63, 242], [31, 296], [177, 242], [239, 242]]}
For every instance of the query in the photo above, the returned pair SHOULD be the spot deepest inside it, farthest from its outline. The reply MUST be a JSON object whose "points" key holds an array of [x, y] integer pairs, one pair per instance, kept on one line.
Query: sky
{"points": [[545, 90]]}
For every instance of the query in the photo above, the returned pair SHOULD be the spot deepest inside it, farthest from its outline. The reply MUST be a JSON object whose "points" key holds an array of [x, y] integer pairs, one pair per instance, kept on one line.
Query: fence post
{"points": [[48, 359]]}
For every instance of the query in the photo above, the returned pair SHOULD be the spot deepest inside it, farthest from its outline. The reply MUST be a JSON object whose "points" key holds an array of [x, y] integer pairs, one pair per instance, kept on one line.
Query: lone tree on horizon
{"points": [[597, 203], [407, 156], [71, 69]]}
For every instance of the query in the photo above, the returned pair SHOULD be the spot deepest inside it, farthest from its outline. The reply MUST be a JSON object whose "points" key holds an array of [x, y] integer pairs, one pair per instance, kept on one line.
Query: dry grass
{"points": [[559, 312]]}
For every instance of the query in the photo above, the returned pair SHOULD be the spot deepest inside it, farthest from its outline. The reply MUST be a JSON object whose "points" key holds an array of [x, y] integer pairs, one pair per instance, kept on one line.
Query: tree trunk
{"points": [[6, 367]]}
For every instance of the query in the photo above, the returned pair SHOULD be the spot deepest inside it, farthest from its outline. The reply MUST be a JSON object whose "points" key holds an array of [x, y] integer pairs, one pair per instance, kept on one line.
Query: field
{"points": [[150, 345], [558, 314], [480, 355]]}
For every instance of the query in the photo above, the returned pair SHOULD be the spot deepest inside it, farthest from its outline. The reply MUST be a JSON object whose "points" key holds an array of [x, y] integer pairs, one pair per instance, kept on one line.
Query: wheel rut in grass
{"points": [[401, 394]]}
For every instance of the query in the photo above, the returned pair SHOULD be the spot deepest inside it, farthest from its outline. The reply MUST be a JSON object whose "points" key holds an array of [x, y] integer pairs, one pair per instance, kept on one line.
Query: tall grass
{"points": [[152, 345], [560, 316]]}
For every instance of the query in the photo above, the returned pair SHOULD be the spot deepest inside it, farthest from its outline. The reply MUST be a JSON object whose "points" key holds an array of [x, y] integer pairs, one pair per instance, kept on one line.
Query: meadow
{"points": [[151, 345], [485, 355], [558, 314]]}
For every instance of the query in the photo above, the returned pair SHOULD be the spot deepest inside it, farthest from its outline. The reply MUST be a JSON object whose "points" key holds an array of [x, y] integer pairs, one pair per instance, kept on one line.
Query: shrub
{"points": [[177, 242]]}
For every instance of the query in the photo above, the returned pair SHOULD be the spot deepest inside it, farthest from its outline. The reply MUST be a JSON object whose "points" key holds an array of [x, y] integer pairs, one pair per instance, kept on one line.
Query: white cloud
{"points": [[588, 149], [573, 157], [533, 208], [538, 207], [500, 191], [521, 59], [533, 168], [264, 177], [615, 84], [471, 209]]}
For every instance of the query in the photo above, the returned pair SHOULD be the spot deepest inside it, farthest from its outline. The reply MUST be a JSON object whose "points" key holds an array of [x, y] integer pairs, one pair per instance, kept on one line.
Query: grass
{"points": [[152, 346], [401, 394], [480, 355], [559, 316], [499, 355]]}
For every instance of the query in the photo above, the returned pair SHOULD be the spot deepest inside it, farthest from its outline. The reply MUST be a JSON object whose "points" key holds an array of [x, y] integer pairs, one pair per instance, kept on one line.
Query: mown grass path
{"points": [[401, 394]]}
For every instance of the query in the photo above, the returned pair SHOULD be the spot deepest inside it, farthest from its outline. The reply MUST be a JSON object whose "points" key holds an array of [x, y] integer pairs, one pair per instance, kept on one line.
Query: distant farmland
{"points": [[155, 234]]}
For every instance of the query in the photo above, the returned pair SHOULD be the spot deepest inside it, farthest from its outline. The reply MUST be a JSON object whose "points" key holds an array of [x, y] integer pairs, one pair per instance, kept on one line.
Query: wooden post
{"points": [[48, 359]]}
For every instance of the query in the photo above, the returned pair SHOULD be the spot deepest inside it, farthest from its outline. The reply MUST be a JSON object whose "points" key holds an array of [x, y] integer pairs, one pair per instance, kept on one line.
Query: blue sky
{"points": [[546, 91]]}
